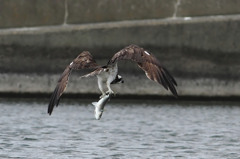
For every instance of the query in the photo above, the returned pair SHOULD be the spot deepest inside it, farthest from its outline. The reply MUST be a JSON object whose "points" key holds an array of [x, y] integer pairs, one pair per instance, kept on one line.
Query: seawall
{"points": [[197, 43]]}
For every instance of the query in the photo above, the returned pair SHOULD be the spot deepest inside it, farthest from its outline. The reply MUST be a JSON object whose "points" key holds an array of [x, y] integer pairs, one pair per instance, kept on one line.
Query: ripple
{"points": [[30, 139], [130, 131]]}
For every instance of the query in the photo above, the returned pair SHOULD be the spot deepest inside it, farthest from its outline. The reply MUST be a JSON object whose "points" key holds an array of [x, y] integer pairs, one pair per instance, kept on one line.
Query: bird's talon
{"points": [[110, 92], [102, 96]]}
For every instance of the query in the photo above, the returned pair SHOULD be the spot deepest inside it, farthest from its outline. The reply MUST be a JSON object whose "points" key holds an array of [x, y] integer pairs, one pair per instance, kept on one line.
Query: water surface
{"points": [[143, 129]]}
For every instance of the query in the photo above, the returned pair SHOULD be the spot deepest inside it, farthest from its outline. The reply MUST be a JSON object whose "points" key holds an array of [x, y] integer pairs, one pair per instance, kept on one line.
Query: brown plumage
{"points": [[149, 64], [83, 61], [109, 74]]}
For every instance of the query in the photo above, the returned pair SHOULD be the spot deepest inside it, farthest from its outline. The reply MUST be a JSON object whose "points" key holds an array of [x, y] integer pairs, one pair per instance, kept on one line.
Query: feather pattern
{"points": [[83, 61], [149, 64], [144, 59]]}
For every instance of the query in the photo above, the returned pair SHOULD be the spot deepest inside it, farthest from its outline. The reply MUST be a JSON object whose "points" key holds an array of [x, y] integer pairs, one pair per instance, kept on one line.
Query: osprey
{"points": [[108, 74]]}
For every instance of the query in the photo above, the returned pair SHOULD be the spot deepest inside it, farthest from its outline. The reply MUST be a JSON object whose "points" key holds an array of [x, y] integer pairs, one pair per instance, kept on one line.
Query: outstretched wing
{"points": [[83, 61], [149, 64]]}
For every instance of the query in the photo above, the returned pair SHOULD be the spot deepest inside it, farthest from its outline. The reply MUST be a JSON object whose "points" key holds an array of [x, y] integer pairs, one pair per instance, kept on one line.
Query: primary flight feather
{"points": [[108, 74]]}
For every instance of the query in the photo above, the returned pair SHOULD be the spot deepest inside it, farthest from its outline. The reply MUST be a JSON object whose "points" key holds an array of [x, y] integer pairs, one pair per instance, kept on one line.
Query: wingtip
{"points": [[51, 104], [168, 81], [173, 90], [176, 95], [54, 100], [50, 109], [49, 113]]}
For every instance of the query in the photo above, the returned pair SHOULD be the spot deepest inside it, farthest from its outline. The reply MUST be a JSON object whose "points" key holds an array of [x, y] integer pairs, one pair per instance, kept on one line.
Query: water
{"points": [[126, 130]]}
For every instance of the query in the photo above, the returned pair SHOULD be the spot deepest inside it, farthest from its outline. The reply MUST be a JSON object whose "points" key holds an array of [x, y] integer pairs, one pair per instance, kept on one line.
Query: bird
{"points": [[108, 74]]}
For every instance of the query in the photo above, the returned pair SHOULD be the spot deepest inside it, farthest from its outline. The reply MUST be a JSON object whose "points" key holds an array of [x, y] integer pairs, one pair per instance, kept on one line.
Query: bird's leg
{"points": [[110, 91], [100, 86]]}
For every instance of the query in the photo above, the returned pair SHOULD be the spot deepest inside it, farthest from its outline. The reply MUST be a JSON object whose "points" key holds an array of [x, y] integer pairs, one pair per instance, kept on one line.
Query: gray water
{"points": [[142, 129]]}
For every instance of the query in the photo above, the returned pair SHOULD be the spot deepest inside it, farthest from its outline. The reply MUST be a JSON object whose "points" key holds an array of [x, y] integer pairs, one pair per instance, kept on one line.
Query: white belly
{"points": [[109, 74]]}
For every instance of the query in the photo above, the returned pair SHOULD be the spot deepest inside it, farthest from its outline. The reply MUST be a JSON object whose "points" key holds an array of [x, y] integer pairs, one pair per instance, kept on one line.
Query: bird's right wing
{"points": [[83, 61]]}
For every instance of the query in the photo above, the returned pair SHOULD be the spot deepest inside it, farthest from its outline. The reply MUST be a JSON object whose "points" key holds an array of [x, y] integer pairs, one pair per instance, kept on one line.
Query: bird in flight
{"points": [[108, 74]]}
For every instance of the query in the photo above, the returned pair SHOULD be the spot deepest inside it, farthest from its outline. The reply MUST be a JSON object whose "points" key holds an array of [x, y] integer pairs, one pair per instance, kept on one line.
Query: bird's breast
{"points": [[108, 74]]}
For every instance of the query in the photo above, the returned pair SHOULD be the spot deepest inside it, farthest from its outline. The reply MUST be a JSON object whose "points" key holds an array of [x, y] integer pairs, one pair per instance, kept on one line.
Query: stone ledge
{"points": [[194, 46], [201, 33], [33, 83], [202, 53]]}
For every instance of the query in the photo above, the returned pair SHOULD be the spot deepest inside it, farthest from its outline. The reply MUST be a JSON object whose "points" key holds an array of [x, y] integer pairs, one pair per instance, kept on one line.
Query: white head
{"points": [[118, 79]]}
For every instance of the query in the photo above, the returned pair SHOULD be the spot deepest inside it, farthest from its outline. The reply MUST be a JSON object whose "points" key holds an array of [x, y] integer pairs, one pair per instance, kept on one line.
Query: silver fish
{"points": [[99, 106]]}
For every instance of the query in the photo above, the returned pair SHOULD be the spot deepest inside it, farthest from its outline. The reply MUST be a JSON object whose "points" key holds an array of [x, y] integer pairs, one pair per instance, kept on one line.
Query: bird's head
{"points": [[118, 79]]}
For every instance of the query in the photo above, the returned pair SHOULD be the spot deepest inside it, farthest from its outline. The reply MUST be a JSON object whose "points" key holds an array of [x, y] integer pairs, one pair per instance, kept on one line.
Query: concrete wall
{"points": [[28, 13], [196, 40]]}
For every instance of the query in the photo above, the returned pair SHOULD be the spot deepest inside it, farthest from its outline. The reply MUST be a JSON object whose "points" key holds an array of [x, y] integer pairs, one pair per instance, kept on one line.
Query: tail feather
{"points": [[94, 104]]}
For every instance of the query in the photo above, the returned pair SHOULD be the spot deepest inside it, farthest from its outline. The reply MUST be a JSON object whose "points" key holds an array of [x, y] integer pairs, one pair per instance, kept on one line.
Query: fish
{"points": [[99, 106]]}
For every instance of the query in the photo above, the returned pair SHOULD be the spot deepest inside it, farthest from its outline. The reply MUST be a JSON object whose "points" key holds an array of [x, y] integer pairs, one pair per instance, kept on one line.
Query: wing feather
{"points": [[93, 73], [163, 80], [149, 64], [83, 61], [169, 83]]}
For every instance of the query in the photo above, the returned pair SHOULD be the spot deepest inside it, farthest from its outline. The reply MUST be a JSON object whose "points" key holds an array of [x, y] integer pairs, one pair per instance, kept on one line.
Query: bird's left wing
{"points": [[83, 61], [149, 64]]}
